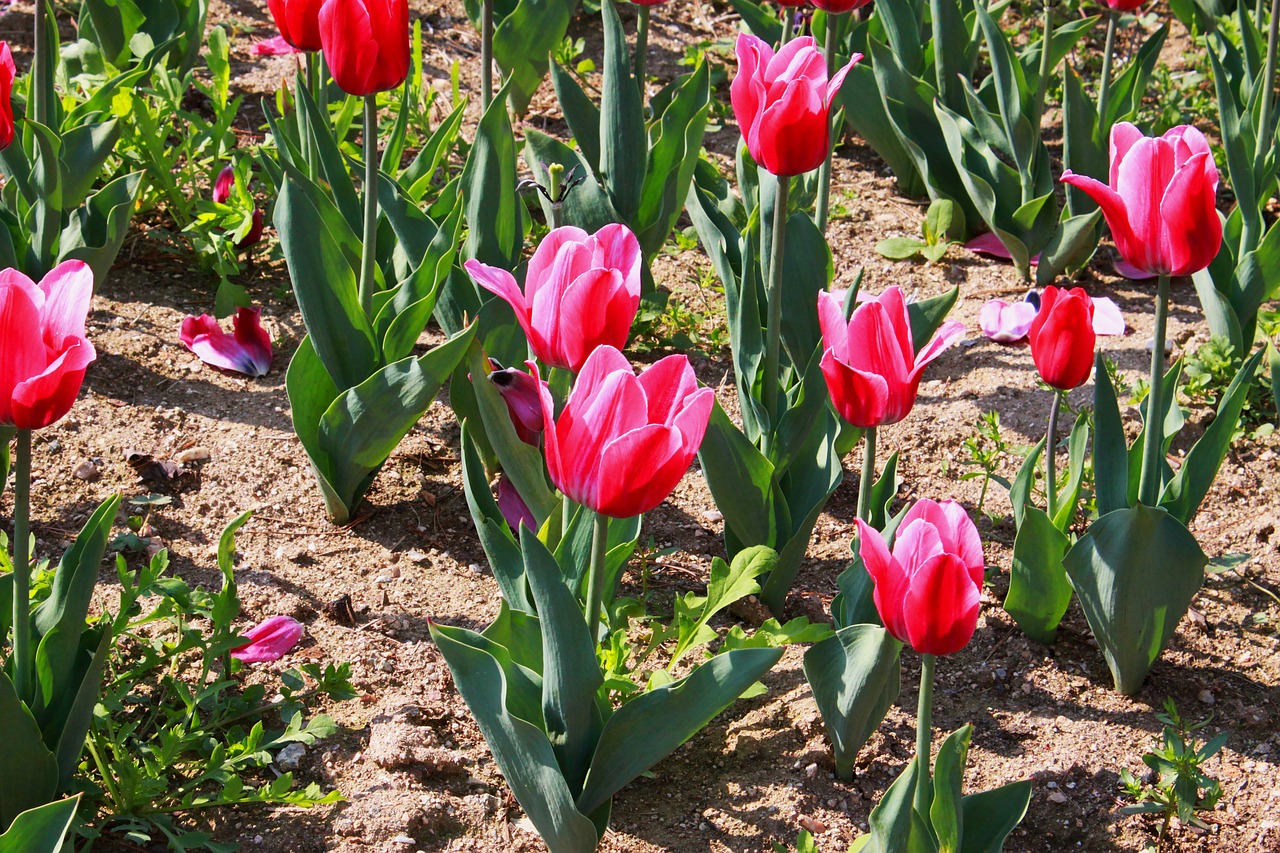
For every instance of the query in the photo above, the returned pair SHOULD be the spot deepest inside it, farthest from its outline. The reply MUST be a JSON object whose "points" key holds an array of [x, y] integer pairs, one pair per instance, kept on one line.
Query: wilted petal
{"points": [[248, 351], [269, 641]]}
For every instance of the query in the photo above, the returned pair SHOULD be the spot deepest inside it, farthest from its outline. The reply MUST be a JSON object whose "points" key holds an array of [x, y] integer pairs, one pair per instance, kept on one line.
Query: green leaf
{"points": [[855, 677], [728, 583], [582, 116], [741, 480], [946, 814], [311, 391], [900, 248], [494, 212], [495, 536], [1039, 592], [989, 816], [522, 43], [40, 830], [648, 728], [926, 316], [676, 140], [23, 755], [1136, 571], [895, 825], [1070, 246], [623, 144], [96, 230], [1110, 447]]}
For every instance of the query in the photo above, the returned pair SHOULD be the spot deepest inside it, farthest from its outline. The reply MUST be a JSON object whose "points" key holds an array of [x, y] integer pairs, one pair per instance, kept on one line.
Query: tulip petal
{"points": [[1123, 136], [793, 136], [25, 354], [1006, 323], [1107, 319], [1192, 232], [859, 397], [640, 468], [1117, 216], [513, 507], [916, 541], [68, 290], [43, 399], [941, 606], [247, 352], [269, 641], [615, 247], [1062, 338], [955, 530], [602, 310], [835, 331], [947, 335], [274, 46], [544, 257], [667, 383], [834, 84], [503, 284], [254, 339], [1141, 180], [890, 580], [1127, 270]]}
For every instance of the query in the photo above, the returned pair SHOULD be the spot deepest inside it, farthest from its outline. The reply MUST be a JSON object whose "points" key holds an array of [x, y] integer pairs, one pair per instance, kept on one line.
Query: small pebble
{"points": [[1058, 797], [1207, 697], [290, 758], [87, 471], [192, 454]]}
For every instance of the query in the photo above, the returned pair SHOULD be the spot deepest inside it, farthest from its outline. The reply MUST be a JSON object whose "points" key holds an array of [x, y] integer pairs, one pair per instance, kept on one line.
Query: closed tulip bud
{"points": [[1161, 199], [836, 7], [870, 364], [927, 590], [524, 402], [269, 641], [366, 43], [8, 71], [623, 441], [1062, 337], [581, 291], [43, 349], [782, 102], [298, 22], [223, 185], [513, 507]]}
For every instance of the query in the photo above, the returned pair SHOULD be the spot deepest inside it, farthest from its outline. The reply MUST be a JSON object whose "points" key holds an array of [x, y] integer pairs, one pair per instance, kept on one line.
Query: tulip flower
{"points": [[581, 291], [512, 506], [1062, 337], [247, 350], [269, 641], [43, 349], [1004, 322], [782, 103], [1160, 204], [927, 590], [1123, 5], [837, 7], [298, 22], [623, 441], [870, 364], [274, 46], [8, 71], [524, 402], [366, 43]]}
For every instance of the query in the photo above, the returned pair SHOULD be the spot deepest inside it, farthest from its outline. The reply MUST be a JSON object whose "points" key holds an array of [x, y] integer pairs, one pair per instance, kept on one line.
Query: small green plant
{"points": [[985, 450], [804, 844], [938, 227], [668, 324], [1175, 784], [1209, 370]]}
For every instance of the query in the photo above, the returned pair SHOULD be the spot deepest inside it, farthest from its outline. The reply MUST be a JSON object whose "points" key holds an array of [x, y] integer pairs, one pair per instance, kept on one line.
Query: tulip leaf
{"points": [[1070, 246], [740, 478], [946, 814], [927, 315], [989, 816], [483, 672], [651, 726], [623, 143], [896, 827], [1084, 147], [495, 535], [1024, 482], [1039, 592], [807, 270], [522, 42], [1136, 572], [865, 113], [331, 161], [95, 231], [856, 676], [311, 390], [23, 755], [588, 205], [580, 113], [1173, 420], [761, 20], [675, 143], [1110, 447], [42, 829], [494, 212]]}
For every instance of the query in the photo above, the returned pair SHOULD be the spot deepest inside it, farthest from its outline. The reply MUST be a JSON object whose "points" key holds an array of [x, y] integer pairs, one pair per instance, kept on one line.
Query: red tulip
{"points": [[836, 7], [1123, 5], [366, 43], [524, 403], [43, 348], [927, 590], [247, 351], [870, 364], [1160, 204], [1062, 337], [581, 291], [298, 22], [623, 442], [8, 71], [782, 103], [269, 641]]}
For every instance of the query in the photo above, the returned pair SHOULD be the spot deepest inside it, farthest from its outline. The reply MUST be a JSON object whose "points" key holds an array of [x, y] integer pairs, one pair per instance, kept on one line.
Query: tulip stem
{"points": [[368, 254], [642, 48], [1153, 449], [1037, 113], [1050, 460], [1104, 84], [834, 25], [868, 473], [42, 68], [771, 387], [486, 55], [1265, 136], [788, 25], [595, 574], [924, 735], [22, 566]]}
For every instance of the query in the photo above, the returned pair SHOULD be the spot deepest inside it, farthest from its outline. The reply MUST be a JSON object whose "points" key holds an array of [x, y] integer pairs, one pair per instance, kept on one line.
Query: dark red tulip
{"points": [[366, 43], [298, 22], [1062, 337]]}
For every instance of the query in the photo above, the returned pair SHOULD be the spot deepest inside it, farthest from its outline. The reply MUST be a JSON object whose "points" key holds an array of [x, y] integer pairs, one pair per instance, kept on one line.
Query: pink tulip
{"points": [[623, 442], [366, 43], [1160, 204], [581, 291], [782, 103], [870, 365], [8, 71], [512, 506], [927, 591], [269, 641], [247, 351], [43, 349], [524, 403], [1123, 5], [1006, 323]]}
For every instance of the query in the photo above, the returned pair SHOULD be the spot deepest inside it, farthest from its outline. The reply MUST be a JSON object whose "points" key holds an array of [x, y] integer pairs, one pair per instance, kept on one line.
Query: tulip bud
{"points": [[366, 43], [1062, 337], [8, 71], [524, 403]]}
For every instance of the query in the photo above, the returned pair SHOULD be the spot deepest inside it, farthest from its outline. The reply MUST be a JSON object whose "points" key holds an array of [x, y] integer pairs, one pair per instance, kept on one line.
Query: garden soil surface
{"points": [[411, 763]]}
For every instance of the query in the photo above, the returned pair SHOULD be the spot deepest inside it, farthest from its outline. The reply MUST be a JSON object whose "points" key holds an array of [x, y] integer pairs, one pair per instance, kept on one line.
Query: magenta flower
{"points": [[1006, 323], [269, 641], [524, 403], [512, 506], [247, 350]]}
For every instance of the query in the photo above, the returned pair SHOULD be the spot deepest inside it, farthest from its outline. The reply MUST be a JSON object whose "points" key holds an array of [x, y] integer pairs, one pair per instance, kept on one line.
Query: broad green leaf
{"points": [[1024, 481], [495, 536], [741, 480], [927, 315], [623, 145], [23, 755], [494, 212], [522, 42], [1069, 495], [729, 582], [945, 814], [855, 677], [311, 391], [900, 248], [1070, 246], [1110, 447], [895, 825], [42, 829], [1136, 571], [73, 716], [96, 230], [989, 816], [1039, 591], [580, 113], [675, 142]]}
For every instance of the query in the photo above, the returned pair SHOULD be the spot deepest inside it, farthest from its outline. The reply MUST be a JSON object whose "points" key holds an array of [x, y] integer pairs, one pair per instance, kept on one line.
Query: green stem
{"points": [[1153, 449], [595, 574], [1050, 460], [41, 68], [788, 25], [1268, 83], [1037, 112], [924, 734], [1104, 84], [486, 54], [368, 253], [834, 23], [315, 85], [771, 387], [642, 48], [22, 567], [868, 473]]}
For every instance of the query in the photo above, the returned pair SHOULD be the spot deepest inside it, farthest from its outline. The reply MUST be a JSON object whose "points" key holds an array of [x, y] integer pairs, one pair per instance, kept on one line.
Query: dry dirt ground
{"points": [[410, 761]]}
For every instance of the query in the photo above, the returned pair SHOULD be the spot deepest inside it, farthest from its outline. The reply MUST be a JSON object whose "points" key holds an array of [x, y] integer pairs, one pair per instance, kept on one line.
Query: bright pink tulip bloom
{"points": [[269, 641], [513, 507], [247, 351], [836, 7], [1161, 201], [8, 71], [524, 402], [927, 591], [623, 442], [870, 364], [43, 349], [581, 291], [782, 103], [366, 43], [1004, 322], [1062, 338], [298, 22]]}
